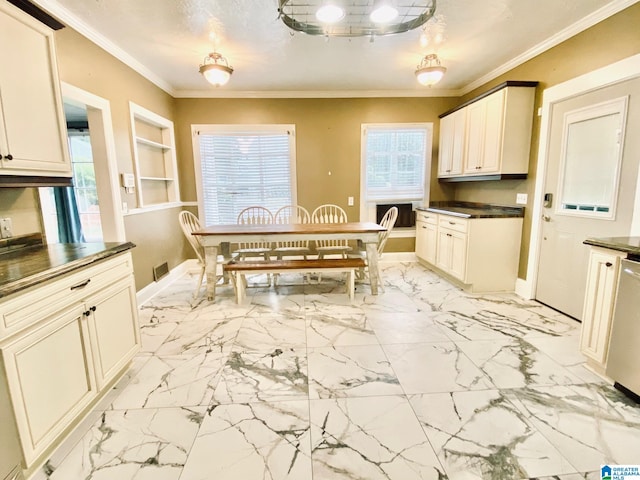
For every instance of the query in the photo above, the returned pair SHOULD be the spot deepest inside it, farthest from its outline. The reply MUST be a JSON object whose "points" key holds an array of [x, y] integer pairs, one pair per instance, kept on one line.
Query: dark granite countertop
{"points": [[473, 210], [621, 244], [30, 266]]}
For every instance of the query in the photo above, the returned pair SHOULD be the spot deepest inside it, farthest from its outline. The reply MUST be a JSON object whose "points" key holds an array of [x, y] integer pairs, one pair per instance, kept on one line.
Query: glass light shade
{"points": [[383, 14], [329, 13], [216, 74], [430, 75]]}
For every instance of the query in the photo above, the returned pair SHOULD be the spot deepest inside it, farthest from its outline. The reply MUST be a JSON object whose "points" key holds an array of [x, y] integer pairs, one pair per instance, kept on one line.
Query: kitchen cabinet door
{"points": [[452, 252], [426, 241], [476, 117], [32, 125], [50, 377], [602, 284], [451, 153], [113, 329], [493, 129]]}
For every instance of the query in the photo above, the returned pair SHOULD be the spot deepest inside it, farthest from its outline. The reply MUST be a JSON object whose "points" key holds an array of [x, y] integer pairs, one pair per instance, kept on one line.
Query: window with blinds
{"points": [[242, 166], [395, 157]]}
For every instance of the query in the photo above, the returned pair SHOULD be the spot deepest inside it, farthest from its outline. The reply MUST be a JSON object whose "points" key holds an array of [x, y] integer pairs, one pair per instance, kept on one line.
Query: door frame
{"points": [[617, 72], [110, 207]]}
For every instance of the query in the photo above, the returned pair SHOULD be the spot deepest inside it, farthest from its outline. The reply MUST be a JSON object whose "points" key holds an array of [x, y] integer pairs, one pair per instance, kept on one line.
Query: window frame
{"points": [[213, 129], [368, 206]]}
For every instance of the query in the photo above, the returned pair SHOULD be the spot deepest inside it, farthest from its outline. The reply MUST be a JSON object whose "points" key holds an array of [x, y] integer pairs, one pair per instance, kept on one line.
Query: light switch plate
{"points": [[6, 228], [521, 198], [350, 201]]}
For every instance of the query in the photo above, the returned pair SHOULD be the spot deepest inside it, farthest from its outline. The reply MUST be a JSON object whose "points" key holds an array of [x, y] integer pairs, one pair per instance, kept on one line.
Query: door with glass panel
{"points": [[590, 187]]}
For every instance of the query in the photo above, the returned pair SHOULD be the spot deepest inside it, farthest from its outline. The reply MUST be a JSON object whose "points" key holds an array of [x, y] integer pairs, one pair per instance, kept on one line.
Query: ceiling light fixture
{"points": [[383, 13], [430, 72], [216, 69], [329, 12], [364, 18]]}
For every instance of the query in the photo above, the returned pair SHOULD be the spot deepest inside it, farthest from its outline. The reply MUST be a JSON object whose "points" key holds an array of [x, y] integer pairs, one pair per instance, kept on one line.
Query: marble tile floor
{"points": [[422, 381]]}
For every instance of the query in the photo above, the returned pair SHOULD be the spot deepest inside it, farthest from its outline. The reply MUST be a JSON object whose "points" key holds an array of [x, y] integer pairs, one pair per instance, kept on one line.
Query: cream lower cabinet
{"points": [[597, 315], [426, 236], [480, 253], [452, 252], [63, 359]]}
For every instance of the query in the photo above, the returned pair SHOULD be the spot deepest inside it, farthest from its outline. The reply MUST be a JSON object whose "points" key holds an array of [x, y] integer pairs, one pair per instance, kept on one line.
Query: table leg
{"points": [[372, 265], [211, 267]]}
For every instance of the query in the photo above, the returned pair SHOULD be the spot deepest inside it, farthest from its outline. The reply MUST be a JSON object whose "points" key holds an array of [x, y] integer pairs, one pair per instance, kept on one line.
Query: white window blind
{"points": [[243, 167], [395, 162]]}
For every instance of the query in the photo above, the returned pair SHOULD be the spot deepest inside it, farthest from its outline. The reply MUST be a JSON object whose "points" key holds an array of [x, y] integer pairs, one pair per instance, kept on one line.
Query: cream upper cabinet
{"points": [[452, 136], [32, 125], [597, 315], [496, 135]]}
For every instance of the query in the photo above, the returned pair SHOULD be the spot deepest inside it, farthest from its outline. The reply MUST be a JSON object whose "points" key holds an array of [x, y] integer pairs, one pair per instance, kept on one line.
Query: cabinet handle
{"points": [[452, 223], [93, 309], [449, 235], [424, 227], [81, 285], [86, 313], [8, 157], [608, 264]]}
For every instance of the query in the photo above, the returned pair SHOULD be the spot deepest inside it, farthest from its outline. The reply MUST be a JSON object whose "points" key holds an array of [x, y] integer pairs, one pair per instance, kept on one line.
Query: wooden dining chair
{"points": [[254, 216], [189, 223], [388, 221], [291, 214], [330, 213]]}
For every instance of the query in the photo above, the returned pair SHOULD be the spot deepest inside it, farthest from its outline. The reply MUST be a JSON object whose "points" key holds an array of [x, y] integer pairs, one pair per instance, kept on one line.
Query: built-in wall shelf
{"points": [[154, 156]]}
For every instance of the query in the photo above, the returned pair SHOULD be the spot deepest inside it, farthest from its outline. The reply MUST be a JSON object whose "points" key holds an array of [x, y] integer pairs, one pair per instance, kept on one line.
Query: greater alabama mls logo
{"points": [[620, 472]]}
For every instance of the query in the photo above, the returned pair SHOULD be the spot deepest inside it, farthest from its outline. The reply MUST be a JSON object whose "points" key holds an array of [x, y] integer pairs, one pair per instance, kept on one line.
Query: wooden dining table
{"points": [[216, 240]]}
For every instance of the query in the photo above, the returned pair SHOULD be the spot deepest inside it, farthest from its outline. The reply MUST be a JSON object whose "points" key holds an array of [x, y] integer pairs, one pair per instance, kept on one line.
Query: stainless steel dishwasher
{"points": [[622, 364]]}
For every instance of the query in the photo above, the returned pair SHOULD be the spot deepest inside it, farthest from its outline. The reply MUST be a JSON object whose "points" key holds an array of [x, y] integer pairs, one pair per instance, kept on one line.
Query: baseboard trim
{"points": [[523, 289], [151, 290], [389, 257]]}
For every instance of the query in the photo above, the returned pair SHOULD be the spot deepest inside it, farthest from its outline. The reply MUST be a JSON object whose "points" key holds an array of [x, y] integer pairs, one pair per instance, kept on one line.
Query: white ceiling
{"points": [[166, 40]]}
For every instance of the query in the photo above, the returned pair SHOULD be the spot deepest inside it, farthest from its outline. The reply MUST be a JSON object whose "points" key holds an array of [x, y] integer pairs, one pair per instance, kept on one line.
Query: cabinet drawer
{"points": [[454, 223], [24, 309], [427, 217]]}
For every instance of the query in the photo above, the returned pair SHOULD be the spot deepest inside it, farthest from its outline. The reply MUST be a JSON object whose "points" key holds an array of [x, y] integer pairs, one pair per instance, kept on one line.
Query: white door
{"points": [[590, 187]]}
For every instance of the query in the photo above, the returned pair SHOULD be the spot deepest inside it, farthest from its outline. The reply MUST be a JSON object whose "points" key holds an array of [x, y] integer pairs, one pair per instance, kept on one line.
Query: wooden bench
{"points": [[238, 270]]}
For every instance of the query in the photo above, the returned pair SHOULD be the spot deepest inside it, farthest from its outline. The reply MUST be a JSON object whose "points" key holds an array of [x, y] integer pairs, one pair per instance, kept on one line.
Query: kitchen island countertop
{"points": [[26, 267], [473, 210]]}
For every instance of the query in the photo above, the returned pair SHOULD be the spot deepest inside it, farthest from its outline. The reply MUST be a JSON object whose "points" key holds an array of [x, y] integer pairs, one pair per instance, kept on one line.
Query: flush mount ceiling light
{"points": [[355, 18], [430, 72], [216, 69]]}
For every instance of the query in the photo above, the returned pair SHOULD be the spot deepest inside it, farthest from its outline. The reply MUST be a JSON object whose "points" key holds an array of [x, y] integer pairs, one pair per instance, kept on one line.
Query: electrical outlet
{"points": [[350, 201], [521, 198], [6, 228]]}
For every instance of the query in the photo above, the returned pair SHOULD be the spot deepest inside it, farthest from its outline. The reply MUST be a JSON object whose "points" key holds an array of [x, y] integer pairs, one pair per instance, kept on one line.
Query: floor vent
{"points": [[160, 271]]}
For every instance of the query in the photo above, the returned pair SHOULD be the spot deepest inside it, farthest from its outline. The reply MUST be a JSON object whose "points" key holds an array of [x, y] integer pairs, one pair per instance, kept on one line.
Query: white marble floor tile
{"points": [[479, 435], [284, 304], [351, 328], [515, 363], [172, 381], [268, 332], [591, 425], [148, 444], [201, 336], [257, 376], [350, 371], [459, 327], [370, 438], [153, 335], [406, 328], [434, 367], [564, 350], [267, 441]]}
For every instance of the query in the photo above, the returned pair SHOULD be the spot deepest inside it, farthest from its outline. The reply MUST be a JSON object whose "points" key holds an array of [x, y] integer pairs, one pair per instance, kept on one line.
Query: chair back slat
{"points": [[291, 214], [189, 223], [329, 213], [255, 215]]}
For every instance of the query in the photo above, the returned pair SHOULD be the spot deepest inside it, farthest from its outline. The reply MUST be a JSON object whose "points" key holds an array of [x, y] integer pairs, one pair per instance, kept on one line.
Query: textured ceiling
{"points": [[170, 38]]}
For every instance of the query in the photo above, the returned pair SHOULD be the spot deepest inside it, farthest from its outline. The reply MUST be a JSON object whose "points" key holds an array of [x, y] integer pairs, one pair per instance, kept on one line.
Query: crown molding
{"points": [[65, 16], [431, 92], [587, 22]]}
